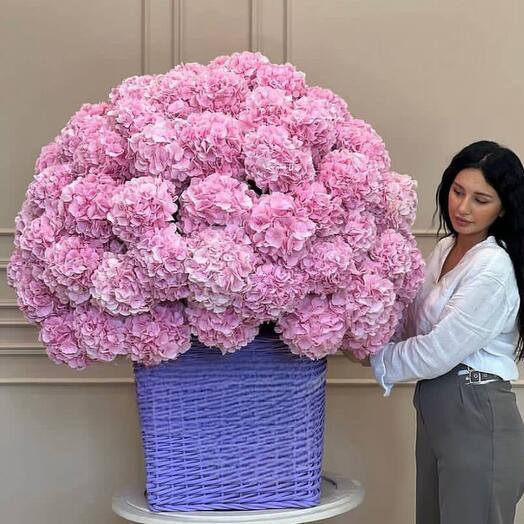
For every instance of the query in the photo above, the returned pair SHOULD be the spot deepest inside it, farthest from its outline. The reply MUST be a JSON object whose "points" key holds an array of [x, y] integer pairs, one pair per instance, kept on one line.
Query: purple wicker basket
{"points": [[240, 431]]}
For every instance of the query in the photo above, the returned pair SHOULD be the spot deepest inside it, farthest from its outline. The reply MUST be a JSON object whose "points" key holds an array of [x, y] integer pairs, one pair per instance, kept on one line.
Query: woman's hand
{"points": [[364, 362]]}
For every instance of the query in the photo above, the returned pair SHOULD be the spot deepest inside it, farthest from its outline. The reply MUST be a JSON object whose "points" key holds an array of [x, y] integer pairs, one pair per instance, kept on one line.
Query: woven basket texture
{"points": [[237, 431]]}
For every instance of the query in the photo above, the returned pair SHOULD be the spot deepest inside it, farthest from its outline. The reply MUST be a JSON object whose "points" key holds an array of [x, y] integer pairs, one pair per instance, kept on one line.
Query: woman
{"points": [[463, 335]]}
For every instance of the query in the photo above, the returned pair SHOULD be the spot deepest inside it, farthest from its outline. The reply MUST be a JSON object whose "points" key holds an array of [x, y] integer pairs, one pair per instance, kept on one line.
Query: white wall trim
{"points": [[13, 381], [56, 381], [7, 304], [4, 346], [16, 323], [23, 352]]}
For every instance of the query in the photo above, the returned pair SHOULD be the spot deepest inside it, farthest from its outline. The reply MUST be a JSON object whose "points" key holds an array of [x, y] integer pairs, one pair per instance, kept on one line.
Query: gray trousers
{"points": [[469, 451]]}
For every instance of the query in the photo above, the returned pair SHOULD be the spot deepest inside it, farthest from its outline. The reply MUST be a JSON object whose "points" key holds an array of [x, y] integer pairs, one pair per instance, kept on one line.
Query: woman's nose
{"points": [[464, 206]]}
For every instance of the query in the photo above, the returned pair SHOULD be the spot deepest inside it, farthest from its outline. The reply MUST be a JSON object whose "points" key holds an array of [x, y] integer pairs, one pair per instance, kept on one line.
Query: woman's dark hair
{"points": [[503, 171]]}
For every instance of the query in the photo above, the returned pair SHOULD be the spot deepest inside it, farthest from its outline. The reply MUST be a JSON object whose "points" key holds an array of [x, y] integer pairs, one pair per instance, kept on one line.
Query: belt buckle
{"points": [[473, 376]]}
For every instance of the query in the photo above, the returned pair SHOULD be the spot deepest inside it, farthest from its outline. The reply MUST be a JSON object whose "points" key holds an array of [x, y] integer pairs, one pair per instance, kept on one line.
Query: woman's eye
{"points": [[481, 201], [457, 192]]}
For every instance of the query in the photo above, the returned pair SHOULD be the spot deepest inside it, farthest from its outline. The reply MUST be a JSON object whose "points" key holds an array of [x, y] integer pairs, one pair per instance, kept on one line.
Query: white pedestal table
{"points": [[338, 495]]}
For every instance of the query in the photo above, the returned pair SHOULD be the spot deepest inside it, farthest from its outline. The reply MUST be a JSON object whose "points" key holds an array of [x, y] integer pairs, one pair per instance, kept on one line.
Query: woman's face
{"points": [[473, 204]]}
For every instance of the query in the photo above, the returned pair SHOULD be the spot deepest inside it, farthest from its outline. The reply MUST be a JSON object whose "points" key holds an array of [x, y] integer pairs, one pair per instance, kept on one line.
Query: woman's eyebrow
{"points": [[475, 192]]}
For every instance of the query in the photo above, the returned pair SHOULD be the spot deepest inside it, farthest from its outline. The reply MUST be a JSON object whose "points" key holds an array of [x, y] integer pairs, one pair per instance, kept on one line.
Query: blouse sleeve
{"points": [[476, 313]]}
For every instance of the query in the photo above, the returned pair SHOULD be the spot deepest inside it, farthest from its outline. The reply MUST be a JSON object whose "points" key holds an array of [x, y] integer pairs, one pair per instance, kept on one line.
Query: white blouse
{"points": [[469, 317]]}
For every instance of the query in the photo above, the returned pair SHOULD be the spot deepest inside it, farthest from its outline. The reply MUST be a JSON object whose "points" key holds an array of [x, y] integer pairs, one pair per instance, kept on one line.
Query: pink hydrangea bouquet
{"points": [[205, 202]]}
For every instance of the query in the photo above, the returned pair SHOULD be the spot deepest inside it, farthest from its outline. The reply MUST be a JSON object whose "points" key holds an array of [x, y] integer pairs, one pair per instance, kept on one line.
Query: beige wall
{"points": [[430, 75]]}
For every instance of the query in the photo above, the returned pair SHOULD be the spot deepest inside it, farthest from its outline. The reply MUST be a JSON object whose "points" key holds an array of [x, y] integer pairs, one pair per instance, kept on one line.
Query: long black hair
{"points": [[503, 171]]}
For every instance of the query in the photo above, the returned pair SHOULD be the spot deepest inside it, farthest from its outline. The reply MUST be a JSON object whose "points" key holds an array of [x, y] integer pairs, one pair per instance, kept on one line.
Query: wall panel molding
{"points": [[177, 55], [51, 381], [13, 381], [6, 346], [15, 322], [255, 29], [22, 352], [288, 39], [145, 37], [8, 304]]}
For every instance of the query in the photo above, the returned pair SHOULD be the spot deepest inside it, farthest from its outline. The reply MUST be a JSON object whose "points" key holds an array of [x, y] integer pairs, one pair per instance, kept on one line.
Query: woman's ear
{"points": [[501, 214]]}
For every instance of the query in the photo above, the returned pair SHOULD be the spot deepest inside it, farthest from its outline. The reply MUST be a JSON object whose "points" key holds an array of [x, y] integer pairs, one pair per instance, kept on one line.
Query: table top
{"points": [[338, 495]]}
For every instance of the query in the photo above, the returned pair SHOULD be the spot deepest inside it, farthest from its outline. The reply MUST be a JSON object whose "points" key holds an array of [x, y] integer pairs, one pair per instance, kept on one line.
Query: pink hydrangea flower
{"points": [[120, 286], [315, 329], [50, 155], [157, 151], [367, 338], [34, 298], [396, 257], [132, 105], [101, 148], [412, 280], [219, 90], [58, 336], [282, 76], [326, 210], [71, 135], [313, 121], [339, 103], [141, 205], [84, 205], [101, 336], [244, 64], [215, 142], [70, 262], [359, 137], [219, 265], [40, 234], [162, 256], [352, 177], [398, 205], [265, 106], [360, 231], [163, 334], [279, 228], [24, 217], [329, 264], [177, 93], [215, 200], [275, 290], [44, 191], [275, 160], [370, 313], [227, 330]]}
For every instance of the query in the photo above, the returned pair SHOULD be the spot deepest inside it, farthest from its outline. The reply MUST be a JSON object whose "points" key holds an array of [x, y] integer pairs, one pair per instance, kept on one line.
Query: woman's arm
{"points": [[475, 314]]}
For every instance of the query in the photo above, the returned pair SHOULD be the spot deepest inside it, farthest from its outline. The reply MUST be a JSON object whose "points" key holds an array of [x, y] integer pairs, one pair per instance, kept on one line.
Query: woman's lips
{"points": [[462, 222]]}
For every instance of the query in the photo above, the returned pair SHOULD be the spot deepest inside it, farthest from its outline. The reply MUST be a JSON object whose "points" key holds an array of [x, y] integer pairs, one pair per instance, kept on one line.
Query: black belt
{"points": [[472, 376]]}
